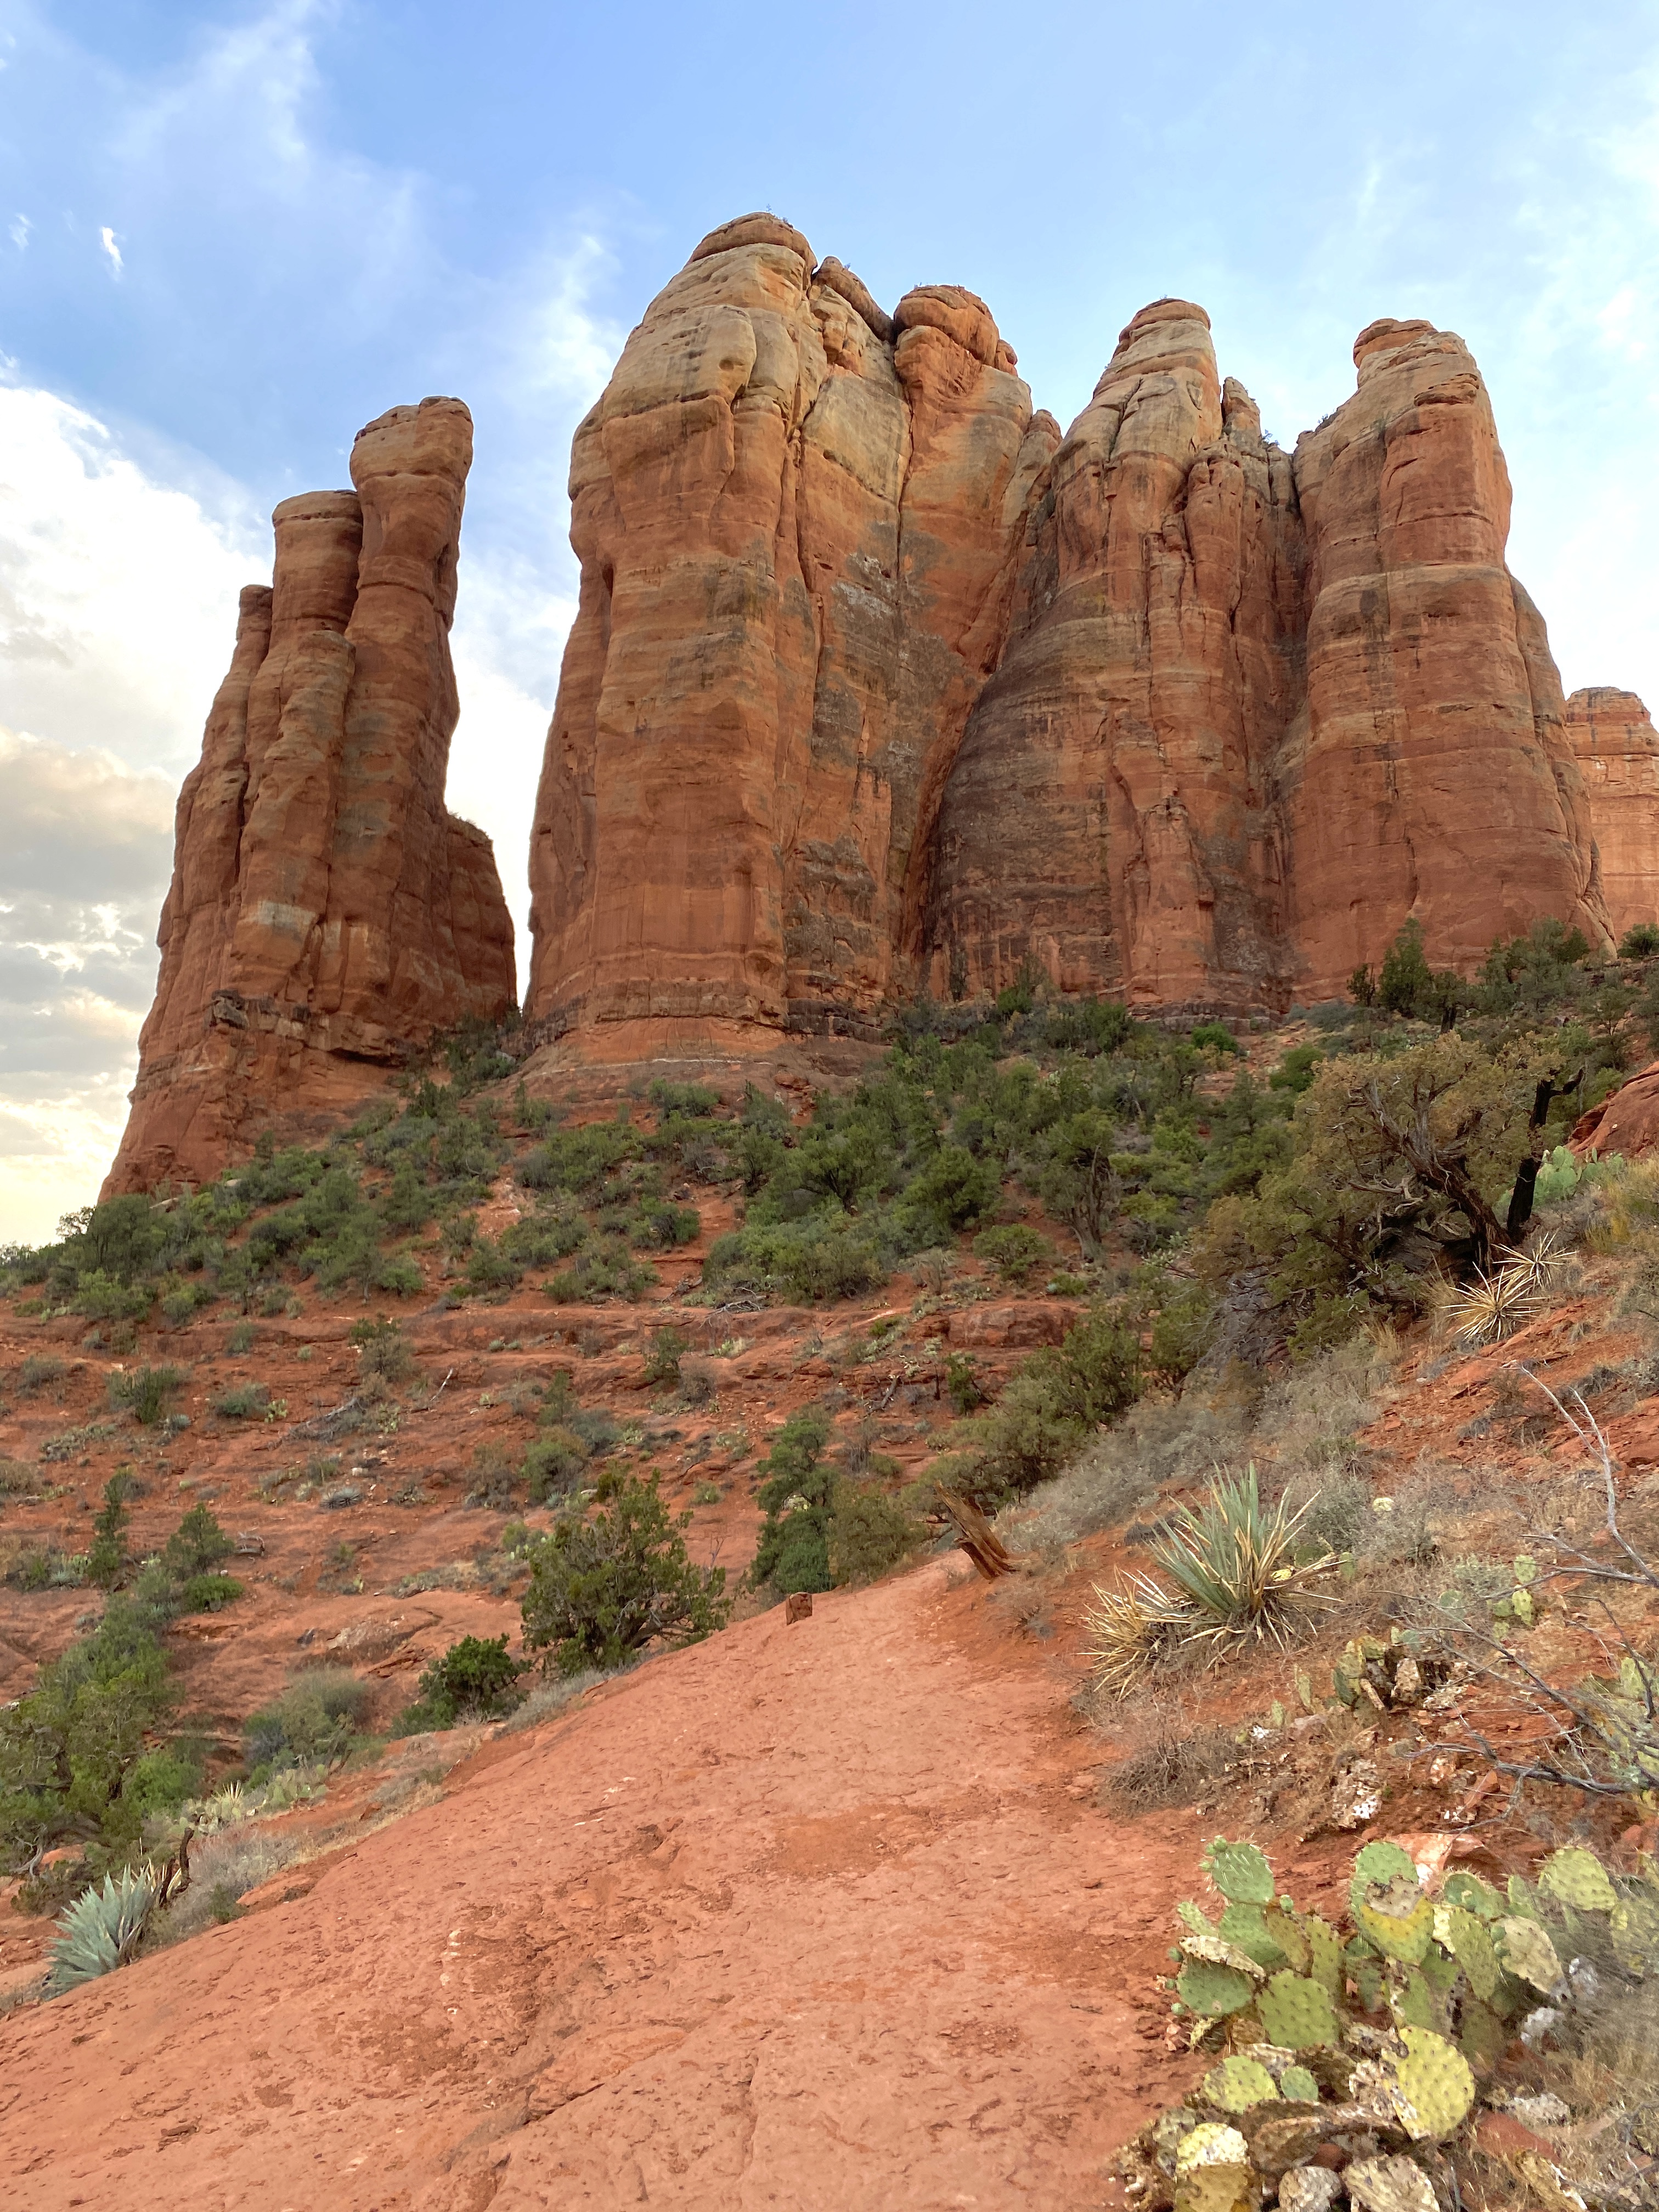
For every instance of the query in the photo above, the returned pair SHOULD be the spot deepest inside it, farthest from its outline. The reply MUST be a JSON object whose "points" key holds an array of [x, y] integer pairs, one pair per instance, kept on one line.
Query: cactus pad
{"points": [[1246, 1926], [1635, 1927], [1298, 2012], [1297, 2084], [1578, 1878], [1482, 2037], [1383, 1862], [1324, 1953], [1435, 2087], [1470, 1944], [1213, 1992], [1240, 1872], [1467, 1892], [1528, 1952], [1220, 1953], [1238, 2083], [1412, 2003], [1394, 1915]]}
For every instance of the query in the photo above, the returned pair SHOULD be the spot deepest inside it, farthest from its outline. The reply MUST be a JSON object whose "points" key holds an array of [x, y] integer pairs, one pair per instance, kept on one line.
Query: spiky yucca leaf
{"points": [[1494, 1306], [1132, 1627], [1233, 1562], [101, 1930]]}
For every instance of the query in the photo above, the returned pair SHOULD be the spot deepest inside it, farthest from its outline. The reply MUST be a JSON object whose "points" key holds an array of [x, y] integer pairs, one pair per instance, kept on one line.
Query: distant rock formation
{"points": [[1618, 752], [326, 914], [879, 684]]}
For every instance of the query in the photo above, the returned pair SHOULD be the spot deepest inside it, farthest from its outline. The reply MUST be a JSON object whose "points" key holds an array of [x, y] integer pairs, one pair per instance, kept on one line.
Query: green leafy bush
{"points": [[475, 1679], [603, 1586], [555, 1464], [1051, 1406], [1015, 1250], [662, 1360], [148, 1391], [315, 1722], [1640, 941], [797, 1498], [107, 1558], [869, 1533], [241, 1402]]}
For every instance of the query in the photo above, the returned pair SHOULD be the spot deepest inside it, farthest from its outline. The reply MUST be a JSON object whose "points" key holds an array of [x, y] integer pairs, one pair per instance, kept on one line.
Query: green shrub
{"points": [[242, 1401], [314, 1721], [605, 1268], [1057, 1399], [662, 1360], [383, 1352], [1015, 1250], [1215, 1036], [107, 1559], [241, 1338], [148, 1391], [38, 1371], [209, 1593], [797, 1498], [962, 1383], [869, 1533], [1640, 941], [554, 1464], [475, 1679], [603, 1586], [101, 1296]]}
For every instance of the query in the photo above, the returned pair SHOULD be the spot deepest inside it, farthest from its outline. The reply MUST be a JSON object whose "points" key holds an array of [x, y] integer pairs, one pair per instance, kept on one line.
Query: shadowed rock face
{"points": [[880, 684], [1618, 753], [326, 913]]}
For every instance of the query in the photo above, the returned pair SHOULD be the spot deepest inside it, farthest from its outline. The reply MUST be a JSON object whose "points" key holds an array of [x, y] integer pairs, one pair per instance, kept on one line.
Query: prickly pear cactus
{"points": [[1237, 2083], [1471, 1946], [1412, 2003], [1382, 1862], [1220, 1953], [1482, 2035], [1434, 2086], [1635, 1929], [1528, 1952], [1389, 2184], [1298, 2012], [1394, 1915], [1212, 1991], [1471, 1895], [1240, 1872], [1298, 2085], [1213, 2168], [1578, 1878], [1246, 1926], [1324, 1953]]}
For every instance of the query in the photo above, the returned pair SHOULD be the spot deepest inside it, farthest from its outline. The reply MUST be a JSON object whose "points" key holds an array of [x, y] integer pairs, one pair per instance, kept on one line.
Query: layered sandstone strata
{"points": [[792, 513], [879, 684], [1618, 752], [326, 914]]}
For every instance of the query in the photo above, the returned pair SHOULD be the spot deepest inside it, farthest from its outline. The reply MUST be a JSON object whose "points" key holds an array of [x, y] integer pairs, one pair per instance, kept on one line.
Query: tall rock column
{"points": [[1434, 776], [1109, 819], [792, 511], [327, 915], [1618, 754]]}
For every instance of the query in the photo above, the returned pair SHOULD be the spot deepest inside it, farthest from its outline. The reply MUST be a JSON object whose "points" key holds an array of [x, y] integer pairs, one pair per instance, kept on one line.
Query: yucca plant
{"points": [[1494, 1306], [1235, 1562], [1133, 1626], [102, 1928]]}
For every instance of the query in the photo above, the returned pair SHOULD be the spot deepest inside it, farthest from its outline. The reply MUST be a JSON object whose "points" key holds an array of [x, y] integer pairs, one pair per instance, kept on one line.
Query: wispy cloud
{"points": [[111, 251]]}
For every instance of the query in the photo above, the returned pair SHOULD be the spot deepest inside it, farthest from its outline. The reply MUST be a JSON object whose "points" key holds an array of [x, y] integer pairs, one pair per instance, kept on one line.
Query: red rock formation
{"points": [[791, 517], [1618, 754], [1435, 777], [877, 683], [326, 914]]}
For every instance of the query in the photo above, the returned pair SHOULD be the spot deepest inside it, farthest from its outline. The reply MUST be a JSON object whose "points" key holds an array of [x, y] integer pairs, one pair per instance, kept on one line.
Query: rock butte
{"points": [[326, 913], [1617, 751], [880, 684]]}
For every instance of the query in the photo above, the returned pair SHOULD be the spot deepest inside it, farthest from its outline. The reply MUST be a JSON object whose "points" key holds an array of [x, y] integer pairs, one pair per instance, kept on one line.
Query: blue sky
{"points": [[231, 234]]}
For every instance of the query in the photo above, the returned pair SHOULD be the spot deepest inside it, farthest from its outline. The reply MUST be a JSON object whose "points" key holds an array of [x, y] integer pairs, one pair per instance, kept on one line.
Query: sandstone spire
{"points": [[1618, 753], [325, 911]]}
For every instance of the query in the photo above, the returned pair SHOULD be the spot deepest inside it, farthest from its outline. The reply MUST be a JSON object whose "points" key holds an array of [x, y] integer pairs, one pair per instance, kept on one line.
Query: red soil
{"points": [[816, 1915]]}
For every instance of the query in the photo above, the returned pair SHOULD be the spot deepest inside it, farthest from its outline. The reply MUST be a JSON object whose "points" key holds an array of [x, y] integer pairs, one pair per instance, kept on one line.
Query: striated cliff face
{"points": [[879, 684], [325, 911], [792, 513], [1618, 753]]}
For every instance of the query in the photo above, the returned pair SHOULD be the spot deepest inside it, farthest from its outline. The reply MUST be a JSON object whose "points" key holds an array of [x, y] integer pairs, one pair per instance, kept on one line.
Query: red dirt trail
{"points": [[820, 1916]]}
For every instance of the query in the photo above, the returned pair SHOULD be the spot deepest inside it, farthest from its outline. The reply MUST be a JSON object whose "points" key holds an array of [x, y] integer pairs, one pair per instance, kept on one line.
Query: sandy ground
{"points": [[822, 1915]]}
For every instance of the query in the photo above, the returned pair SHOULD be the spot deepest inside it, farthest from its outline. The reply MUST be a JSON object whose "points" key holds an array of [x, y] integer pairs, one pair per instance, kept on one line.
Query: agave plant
{"points": [[1233, 1562], [102, 1928]]}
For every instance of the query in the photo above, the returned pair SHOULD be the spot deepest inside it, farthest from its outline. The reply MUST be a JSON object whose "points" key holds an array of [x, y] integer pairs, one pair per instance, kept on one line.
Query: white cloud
{"points": [[85, 849], [21, 227], [118, 593], [107, 240]]}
